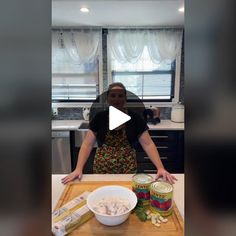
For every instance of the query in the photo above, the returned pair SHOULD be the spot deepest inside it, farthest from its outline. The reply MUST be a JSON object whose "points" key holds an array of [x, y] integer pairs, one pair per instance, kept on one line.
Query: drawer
{"points": [[165, 144], [162, 149], [164, 139], [149, 168], [172, 161], [143, 157], [164, 136]]}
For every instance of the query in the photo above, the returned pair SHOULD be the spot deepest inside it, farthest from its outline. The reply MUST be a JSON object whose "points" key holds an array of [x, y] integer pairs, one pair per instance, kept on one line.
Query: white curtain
{"points": [[164, 44], [56, 47], [127, 46], [80, 45]]}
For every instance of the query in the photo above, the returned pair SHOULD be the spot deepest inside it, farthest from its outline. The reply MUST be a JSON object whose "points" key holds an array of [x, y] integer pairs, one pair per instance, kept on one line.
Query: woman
{"points": [[115, 153]]}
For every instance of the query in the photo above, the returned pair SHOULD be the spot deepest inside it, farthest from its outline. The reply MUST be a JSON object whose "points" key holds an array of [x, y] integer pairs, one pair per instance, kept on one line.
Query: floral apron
{"points": [[115, 156]]}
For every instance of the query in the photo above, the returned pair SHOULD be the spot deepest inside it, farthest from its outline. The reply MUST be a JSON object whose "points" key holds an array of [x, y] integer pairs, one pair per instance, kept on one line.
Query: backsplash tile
{"points": [[69, 114], [77, 114]]}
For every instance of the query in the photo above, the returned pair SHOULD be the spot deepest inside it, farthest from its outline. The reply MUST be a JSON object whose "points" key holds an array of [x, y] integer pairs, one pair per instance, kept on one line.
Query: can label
{"points": [[161, 194], [141, 187]]}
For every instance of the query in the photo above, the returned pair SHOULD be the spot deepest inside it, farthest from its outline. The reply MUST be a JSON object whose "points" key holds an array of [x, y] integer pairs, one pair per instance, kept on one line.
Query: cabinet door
{"points": [[151, 169], [88, 168], [170, 145], [147, 168], [143, 157], [75, 147], [165, 140]]}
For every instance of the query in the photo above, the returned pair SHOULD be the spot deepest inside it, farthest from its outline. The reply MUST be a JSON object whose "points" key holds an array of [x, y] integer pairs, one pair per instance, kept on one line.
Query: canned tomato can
{"points": [[161, 194], [141, 187]]}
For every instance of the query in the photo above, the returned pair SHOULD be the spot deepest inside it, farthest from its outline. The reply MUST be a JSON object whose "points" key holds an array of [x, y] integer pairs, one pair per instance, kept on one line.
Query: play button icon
{"points": [[117, 118]]}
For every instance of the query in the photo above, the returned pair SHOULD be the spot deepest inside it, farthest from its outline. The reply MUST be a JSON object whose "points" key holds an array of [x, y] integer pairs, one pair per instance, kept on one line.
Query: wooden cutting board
{"points": [[133, 226]]}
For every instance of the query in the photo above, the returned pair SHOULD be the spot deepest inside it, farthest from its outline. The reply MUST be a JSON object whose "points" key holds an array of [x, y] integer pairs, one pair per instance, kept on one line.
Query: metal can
{"points": [[141, 187], [161, 194]]}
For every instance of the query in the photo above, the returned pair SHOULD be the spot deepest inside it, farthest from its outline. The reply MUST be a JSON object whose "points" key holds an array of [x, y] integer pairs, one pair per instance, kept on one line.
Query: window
{"points": [[75, 83], [145, 62], [149, 81], [75, 66]]}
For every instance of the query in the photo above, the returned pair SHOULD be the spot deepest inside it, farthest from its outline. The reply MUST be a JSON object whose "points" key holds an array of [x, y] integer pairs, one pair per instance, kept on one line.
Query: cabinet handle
{"points": [[163, 158], [149, 171], [162, 147], [156, 136]]}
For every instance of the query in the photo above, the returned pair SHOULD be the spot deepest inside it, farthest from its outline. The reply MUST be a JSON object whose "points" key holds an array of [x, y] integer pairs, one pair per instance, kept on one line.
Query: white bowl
{"points": [[111, 191]]}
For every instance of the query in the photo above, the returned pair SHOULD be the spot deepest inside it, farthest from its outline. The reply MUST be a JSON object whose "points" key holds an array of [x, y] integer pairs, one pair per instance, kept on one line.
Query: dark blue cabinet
{"points": [[170, 145]]}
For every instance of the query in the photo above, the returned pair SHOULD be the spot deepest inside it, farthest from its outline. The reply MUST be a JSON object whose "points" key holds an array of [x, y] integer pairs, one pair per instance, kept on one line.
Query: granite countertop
{"points": [[58, 187], [74, 125]]}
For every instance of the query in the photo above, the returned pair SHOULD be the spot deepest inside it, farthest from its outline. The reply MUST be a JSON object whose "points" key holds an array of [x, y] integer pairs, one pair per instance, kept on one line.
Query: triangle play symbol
{"points": [[117, 118]]}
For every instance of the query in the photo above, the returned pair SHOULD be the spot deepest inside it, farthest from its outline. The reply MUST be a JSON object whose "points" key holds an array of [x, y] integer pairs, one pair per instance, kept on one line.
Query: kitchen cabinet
{"points": [[170, 145], [88, 168], [76, 141]]}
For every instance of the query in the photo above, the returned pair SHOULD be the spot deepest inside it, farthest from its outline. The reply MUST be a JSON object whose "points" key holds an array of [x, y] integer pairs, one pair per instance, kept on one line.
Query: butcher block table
{"points": [[133, 226]]}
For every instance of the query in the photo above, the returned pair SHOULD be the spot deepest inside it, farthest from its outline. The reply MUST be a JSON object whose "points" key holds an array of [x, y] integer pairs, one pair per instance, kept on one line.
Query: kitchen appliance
{"points": [[86, 113], [152, 115], [61, 155], [177, 113]]}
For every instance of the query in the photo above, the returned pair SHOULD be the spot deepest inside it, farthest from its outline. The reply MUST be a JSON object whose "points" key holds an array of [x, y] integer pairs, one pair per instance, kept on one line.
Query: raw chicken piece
{"points": [[112, 206]]}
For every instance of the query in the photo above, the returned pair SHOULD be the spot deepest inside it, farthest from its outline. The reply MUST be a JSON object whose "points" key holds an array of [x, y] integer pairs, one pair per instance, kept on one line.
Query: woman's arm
{"points": [[83, 155], [151, 150], [85, 149]]}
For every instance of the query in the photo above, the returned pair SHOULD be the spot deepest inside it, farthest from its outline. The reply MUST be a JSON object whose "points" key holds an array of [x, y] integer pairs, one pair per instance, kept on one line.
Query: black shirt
{"points": [[134, 127]]}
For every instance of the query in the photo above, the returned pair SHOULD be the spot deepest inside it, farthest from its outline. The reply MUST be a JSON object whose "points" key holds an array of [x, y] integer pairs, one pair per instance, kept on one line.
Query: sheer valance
{"points": [[127, 45], [77, 46]]}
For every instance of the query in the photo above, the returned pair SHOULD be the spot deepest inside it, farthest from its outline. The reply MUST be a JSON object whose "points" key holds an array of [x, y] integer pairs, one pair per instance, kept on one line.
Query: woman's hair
{"points": [[116, 84]]}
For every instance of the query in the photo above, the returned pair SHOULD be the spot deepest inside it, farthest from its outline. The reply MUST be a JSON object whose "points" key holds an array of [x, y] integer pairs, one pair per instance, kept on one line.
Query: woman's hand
{"points": [[166, 176], [73, 175]]}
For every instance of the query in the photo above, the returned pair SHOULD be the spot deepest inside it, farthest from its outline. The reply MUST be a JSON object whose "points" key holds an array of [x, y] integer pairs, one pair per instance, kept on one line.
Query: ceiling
{"points": [[163, 13]]}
